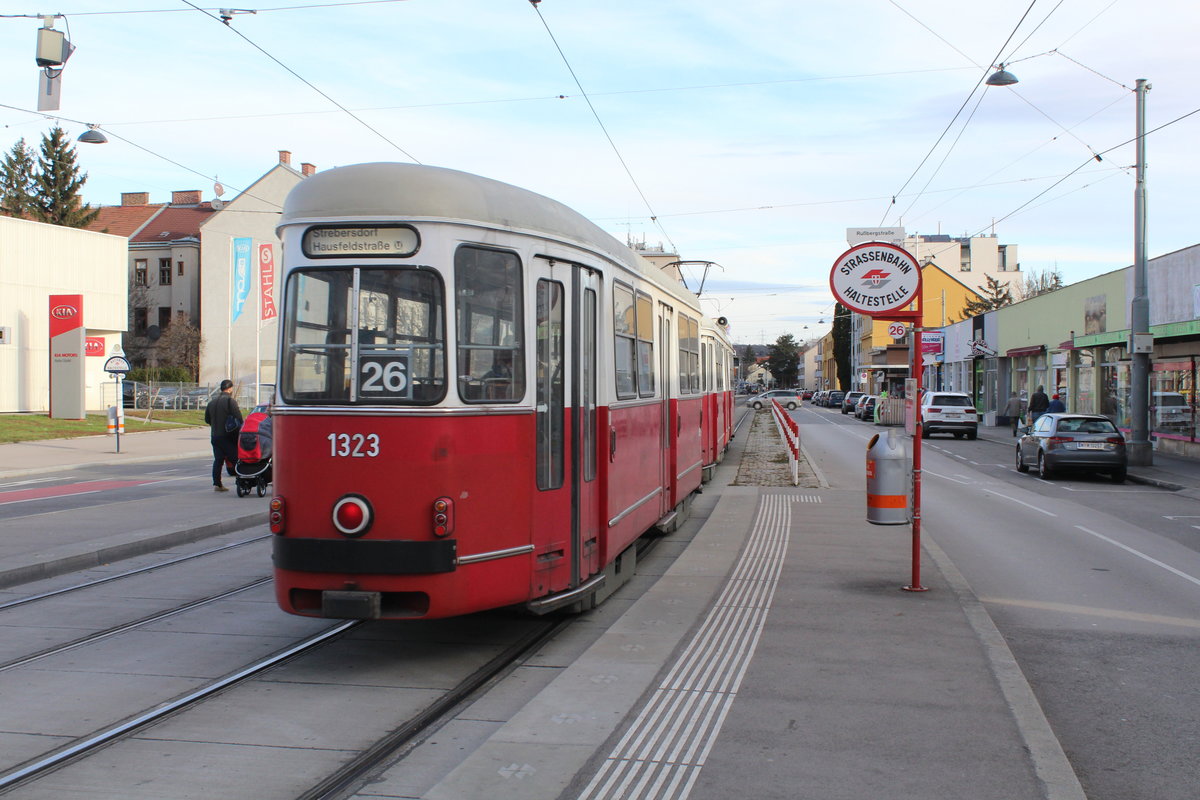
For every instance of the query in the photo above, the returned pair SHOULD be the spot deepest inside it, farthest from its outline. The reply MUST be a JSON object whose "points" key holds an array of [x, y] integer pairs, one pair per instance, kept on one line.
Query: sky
{"points": [[750, 135]]}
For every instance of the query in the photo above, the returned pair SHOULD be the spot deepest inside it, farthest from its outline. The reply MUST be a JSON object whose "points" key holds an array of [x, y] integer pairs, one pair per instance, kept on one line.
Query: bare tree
{"points": [[1036, 283], [179, 346]]}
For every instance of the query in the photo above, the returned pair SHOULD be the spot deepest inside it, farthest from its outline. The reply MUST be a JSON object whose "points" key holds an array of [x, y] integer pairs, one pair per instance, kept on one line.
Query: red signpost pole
{"points": [[917, 359], [883, 281]]}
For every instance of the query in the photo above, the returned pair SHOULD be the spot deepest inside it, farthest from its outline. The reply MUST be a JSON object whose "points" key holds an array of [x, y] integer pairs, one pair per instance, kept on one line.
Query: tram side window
{"points": [[624, 341], [385, 344], [688, 330], [645, 344], [491, 352]]}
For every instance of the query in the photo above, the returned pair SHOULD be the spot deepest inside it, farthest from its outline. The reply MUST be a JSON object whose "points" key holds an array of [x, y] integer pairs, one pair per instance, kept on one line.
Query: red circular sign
{"points": [[875, 278]]}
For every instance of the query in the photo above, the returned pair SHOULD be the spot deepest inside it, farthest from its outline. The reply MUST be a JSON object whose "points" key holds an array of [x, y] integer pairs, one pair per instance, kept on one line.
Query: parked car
{"points": [[816, 398], [834, 399], [865, 410], [166, 397], [1073, 442], [806, 394], [850, 401], [134, 394], [788, 398], [948, 412], [1170, 410], [199, 397]]}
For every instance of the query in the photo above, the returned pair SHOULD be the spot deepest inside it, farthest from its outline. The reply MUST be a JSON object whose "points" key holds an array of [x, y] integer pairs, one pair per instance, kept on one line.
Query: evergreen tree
{"points": [[783, 361], [57, 185], [16, 181], [992, 296], [841, 346]]}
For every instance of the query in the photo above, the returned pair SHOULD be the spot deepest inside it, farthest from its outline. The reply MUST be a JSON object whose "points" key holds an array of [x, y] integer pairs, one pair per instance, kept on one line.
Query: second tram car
{"points": [[483, 398]]}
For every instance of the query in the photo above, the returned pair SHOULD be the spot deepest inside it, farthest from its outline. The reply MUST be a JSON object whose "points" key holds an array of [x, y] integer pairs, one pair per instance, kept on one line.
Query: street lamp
{"points": [[1141, 344], [92, 135]]}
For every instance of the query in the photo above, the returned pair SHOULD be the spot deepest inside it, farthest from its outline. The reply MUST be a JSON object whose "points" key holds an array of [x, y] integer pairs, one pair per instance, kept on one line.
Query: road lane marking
{"points": [[67, 490], [1022, 502], [945, 477], [1091, 611], [1141, 555]]}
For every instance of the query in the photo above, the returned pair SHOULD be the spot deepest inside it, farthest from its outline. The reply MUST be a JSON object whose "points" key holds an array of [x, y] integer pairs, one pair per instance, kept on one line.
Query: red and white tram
{"points": [[483, 398]]}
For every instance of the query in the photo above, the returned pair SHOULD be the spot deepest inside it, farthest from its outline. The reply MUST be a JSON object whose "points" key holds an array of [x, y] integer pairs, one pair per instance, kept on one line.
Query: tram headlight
{"points": [[275, 517], [352, 515], [443, 517]]}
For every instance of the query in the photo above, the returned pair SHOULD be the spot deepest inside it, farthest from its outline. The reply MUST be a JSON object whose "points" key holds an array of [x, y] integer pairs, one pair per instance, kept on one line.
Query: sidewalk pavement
{"points": [[57, 455], [33, 547]]}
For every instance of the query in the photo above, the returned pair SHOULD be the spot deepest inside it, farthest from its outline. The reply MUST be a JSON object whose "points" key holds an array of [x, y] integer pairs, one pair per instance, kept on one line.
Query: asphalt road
{"points": [[1095, 586]]}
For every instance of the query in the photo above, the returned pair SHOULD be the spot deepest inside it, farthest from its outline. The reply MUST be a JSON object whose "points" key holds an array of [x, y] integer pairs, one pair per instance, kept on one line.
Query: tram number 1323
{"points": [[353, 445]]}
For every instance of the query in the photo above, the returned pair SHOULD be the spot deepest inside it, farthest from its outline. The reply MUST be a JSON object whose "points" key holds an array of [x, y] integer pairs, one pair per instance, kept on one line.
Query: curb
{"points": [[86, 559]]}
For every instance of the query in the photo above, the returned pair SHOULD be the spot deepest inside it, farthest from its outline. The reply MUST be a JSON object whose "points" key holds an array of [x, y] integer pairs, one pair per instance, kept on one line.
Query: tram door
{"points": [[670, 421], [566, 513]]}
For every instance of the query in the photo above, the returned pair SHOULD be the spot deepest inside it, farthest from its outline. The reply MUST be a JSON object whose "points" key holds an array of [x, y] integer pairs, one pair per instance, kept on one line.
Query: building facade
{"points": [[39, 260], [1075, 342]]}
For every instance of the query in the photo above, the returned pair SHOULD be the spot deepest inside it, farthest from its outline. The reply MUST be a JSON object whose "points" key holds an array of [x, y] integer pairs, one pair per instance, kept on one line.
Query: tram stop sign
{"points": [[875, 279], [116, 365]]}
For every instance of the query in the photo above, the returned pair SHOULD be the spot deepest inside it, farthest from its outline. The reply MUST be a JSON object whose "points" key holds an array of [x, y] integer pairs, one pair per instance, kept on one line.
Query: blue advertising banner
{"points": [[241, 275]]}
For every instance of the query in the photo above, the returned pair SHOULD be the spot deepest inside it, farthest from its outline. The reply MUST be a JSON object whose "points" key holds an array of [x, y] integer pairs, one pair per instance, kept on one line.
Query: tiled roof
{"points": [[123, 220], [175, 223]]}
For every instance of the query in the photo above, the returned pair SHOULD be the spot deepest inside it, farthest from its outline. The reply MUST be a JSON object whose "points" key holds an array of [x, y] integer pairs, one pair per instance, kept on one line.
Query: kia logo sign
{"points": [[63, 312]]}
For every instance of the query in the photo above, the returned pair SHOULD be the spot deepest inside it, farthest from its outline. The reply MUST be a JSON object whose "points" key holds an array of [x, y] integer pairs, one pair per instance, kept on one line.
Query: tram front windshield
{"points": [[359, 335]]}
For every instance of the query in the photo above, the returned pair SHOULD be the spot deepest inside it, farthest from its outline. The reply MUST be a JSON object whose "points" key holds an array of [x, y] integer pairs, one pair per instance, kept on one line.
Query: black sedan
{"points": [[1073, 442]]}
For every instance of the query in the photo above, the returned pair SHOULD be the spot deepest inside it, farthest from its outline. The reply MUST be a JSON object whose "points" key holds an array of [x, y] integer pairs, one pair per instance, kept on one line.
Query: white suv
{"points": [[948, 412]]}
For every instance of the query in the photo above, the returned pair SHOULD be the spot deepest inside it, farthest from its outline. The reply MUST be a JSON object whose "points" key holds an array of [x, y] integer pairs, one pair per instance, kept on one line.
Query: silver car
{"points": [[1073, 442]]}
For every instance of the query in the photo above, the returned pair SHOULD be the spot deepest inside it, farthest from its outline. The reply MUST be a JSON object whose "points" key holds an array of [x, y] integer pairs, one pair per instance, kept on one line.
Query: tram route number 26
{"points": [[353, 445], [383, 374]]}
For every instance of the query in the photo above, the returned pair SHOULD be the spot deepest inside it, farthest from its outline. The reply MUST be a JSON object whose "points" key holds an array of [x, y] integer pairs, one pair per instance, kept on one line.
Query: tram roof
{"points": [[386, 190]]}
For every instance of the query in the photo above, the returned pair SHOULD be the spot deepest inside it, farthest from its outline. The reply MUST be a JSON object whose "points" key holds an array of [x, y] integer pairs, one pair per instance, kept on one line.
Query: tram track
{"points": [[57, 758], [115, 630], [127, 574]]}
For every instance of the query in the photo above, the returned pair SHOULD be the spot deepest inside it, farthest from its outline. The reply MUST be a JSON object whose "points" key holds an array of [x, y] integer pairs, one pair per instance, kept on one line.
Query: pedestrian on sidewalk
{"points": [[224, 419], [1038, 403], [1057, 406], [1012, 410]]}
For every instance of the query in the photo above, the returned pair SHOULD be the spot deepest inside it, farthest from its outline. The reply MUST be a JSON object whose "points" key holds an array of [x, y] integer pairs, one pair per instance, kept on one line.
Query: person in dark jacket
{"points": [[1057, 406], [1038, 404], [224, 418]]}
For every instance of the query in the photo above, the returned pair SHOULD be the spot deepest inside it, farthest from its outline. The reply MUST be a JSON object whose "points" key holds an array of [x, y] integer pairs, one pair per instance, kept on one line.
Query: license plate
{"points": [[952, 415], [1092, 446]]}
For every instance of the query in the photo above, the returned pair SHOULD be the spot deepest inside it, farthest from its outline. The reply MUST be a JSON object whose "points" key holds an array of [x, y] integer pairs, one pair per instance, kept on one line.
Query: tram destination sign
{"points": [[371, 241], [875, 278]]}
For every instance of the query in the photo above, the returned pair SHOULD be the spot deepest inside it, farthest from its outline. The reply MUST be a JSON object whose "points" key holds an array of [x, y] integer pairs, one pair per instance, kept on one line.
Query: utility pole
{"points": [[1141, 343]]}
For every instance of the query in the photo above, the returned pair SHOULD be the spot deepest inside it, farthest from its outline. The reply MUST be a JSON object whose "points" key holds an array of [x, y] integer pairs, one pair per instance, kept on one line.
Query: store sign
{"points": [[266, 281], [67, 353]]}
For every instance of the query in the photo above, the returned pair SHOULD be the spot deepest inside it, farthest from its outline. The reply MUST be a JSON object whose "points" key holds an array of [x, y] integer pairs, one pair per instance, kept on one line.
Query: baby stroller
{"points": [[253, 468]]}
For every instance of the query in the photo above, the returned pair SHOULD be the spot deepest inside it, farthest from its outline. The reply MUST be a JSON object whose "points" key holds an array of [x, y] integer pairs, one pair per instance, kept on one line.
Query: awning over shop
{"points": [[1017, 352]]}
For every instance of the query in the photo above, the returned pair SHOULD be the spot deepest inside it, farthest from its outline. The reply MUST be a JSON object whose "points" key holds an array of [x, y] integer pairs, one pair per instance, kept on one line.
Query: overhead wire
{"points": [[653, 214], [305, 81], [957, 114], [131, 143]]}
